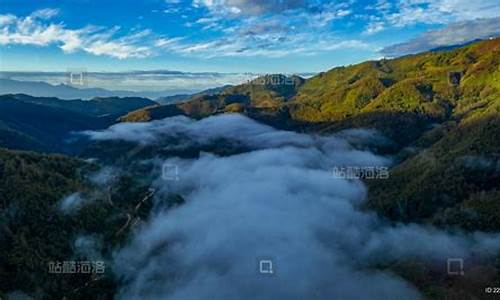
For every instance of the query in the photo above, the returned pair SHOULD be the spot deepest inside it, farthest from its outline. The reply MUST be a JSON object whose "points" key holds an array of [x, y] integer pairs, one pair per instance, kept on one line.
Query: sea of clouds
{"points": [[278, 200]]}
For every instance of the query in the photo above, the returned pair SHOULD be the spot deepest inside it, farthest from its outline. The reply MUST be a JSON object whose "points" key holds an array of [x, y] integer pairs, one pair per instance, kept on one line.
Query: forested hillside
{"points": [[47, 124], [402, 96], [55, 209]]}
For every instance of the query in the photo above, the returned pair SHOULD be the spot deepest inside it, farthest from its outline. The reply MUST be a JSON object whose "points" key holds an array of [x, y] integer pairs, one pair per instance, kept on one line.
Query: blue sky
{"points": [[262, 36]]}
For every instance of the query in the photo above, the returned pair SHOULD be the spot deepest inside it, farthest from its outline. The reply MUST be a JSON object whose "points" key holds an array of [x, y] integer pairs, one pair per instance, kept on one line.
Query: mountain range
{"points": [[441, 108], [424, 88], [69, 92]]}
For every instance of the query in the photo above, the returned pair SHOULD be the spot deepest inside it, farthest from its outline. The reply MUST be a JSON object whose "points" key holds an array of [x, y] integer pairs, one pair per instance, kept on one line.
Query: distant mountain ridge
{"points": [[43, 124], [94, 107], [31, 126], [451, 47], [266, 93], [68, 92], [184, 97]]}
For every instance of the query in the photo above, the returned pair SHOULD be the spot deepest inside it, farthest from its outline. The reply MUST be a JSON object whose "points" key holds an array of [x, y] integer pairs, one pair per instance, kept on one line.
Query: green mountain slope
{"points": [[31, 126], [453, 182], [267, 93], [455, 176], [44, 124], [35, 230], [32, 232], [401, 96]]}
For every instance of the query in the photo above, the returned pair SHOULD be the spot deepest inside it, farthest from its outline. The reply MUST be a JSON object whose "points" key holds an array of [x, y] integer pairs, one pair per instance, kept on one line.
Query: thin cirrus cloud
{"points": [[250, 7], [269, 28], [386, 14], [453, 34], [269, 45]]}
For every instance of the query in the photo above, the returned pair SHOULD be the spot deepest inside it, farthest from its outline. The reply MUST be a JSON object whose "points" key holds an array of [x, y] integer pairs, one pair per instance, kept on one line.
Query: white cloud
{"points": [[269, 28], [380, 5], [30, 30], [266, 45], [164, 42], [374, 27], [468, 10], [123, 47], [6, 19], [36, 29], [171, 10], [277, 35], [407, 13], [72, 203], [410, 13], [243, 28], [45, 13], [453, 34], [150, 84], [250, 7], [303, 31]]}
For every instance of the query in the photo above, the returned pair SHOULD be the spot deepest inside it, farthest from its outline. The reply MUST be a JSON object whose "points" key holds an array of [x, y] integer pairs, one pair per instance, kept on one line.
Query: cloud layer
{"points": [[167, 82], [271, 28], [36, 29], [277, 200], [454, 34], [241, 28], [387, 13], [247, 7]]}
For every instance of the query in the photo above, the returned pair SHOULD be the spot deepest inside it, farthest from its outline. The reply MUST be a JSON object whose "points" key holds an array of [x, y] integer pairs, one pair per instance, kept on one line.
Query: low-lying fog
{"points": [[277, 201]]}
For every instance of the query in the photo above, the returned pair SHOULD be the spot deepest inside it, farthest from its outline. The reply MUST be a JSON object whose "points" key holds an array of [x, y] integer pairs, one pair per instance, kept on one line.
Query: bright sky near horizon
{"points": [[263, 36]]}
